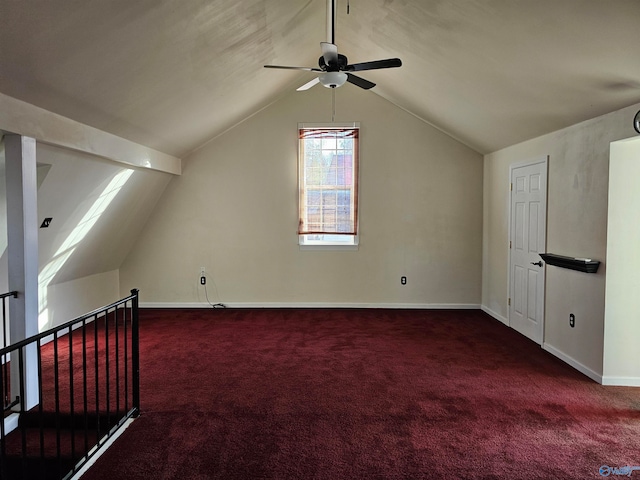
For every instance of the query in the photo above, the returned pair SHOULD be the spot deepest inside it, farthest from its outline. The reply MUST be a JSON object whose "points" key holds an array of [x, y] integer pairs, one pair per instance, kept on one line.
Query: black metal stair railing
{"points": [[88, 387]]}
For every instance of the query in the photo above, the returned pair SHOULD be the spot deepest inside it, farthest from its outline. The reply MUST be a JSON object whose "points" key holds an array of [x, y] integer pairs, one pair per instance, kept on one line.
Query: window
{"points": [[328, 184]]}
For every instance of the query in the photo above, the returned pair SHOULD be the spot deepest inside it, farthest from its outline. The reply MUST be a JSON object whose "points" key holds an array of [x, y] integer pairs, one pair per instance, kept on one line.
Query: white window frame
{"points": [[331, 242]]}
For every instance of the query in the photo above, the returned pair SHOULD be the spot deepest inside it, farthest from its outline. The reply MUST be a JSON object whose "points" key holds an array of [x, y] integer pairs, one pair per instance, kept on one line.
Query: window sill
{"points": [[328, 247]]}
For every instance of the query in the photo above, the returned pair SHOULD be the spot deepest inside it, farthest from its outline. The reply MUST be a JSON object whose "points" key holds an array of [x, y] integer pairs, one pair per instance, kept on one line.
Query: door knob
{"points": [[537, 263]]}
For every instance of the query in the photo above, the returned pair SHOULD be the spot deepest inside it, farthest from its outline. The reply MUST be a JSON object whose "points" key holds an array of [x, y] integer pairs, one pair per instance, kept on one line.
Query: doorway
{"points": [[527, 239]]}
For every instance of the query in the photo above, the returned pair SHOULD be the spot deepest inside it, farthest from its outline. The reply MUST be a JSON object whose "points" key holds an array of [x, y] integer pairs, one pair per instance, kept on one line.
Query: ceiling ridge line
{"points": [[440, 129]]}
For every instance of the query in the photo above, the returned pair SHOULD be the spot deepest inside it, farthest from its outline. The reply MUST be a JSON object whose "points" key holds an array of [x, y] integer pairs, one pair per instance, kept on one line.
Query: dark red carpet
{"points": [[363, 394]]}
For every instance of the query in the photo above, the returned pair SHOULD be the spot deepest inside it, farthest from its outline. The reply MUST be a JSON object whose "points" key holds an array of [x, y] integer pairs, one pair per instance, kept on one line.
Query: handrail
{"points": [[88, 386], [70, 323]]}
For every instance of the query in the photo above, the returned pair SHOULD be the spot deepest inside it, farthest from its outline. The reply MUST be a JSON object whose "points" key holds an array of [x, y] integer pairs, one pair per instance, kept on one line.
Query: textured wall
{"points": [[233, 211], [576, 226]]}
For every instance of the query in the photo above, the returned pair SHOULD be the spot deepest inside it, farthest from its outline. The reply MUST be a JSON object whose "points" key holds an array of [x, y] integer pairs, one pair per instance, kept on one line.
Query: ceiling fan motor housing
{"points": [[338, 66]]}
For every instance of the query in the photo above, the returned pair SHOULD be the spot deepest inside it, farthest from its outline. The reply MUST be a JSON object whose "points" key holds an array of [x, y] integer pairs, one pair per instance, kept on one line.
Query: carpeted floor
{"points": [[363, 394]]}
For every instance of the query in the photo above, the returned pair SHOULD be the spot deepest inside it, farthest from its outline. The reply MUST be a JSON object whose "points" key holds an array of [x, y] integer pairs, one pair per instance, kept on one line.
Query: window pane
{"points": [[313, 176], [345, 143], [313, 197], [331, 177], [328, 172], [328, 198], [329, 143], [344, 197], [327, 158]]}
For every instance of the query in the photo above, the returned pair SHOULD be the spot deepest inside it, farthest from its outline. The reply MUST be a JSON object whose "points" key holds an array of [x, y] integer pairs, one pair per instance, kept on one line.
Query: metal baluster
{"points": [[56, 381], [107, 376], [41, 408], [71, 396], [5, 367], [117, 350], [126, 361], [135, 352], [3, 447], [23, 427], [97, 376], [85, 387]]}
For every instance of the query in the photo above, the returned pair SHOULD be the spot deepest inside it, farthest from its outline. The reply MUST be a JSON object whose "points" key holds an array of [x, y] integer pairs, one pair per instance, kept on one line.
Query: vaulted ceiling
{"points": [[172, 74]]}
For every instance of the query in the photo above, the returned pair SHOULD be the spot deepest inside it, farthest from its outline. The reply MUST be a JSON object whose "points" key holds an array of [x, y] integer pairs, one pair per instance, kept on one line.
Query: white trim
{"points": [[351, 242], [498, 317], [345, 242], [531, 161], [103, 448], [621, 381], [417, 306], [47, 127], [573, 363], [329, 125], [11, 423], [327, 246]]}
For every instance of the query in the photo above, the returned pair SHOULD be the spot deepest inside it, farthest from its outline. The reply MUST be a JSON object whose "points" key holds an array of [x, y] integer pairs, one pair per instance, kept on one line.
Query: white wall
{"points": [[95, 221], [576, 226], [92, 230], [622, 302], [234, 211], [72, 299]]}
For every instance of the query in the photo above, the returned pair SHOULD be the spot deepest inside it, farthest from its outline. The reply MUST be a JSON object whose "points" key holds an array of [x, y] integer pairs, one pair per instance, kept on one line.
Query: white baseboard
{"points": [[495, 315], [11, 423], [621, 381], [420, 306], [103, 448], [573, 362]]}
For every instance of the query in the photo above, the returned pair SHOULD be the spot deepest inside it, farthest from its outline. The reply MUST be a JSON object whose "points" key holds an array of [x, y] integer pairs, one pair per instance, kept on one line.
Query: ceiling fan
{"points": [[334, 69]]}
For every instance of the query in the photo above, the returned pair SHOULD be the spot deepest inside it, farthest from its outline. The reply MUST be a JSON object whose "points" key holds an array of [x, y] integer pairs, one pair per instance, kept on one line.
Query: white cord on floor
{"points": [[206, 294]]}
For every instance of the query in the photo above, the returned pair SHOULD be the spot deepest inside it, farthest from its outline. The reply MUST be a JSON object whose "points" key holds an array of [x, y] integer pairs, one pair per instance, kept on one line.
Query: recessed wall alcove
{"points": [[621, 362]]}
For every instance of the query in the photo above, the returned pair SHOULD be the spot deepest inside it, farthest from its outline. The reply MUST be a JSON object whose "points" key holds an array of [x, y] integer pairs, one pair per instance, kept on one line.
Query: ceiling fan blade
{"points": [[308, 69], [376, 64], [308, 85], [329, 52], [360, 82]]}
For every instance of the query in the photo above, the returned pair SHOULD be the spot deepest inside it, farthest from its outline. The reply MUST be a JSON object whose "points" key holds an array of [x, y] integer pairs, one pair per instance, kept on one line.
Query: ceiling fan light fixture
{"points": [[636, 122], [332, 79]]}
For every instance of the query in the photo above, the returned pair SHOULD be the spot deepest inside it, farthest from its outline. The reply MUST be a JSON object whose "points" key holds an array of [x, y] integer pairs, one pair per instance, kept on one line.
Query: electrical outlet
{"points": [[403, 280], [203, 276], [572, 320]]}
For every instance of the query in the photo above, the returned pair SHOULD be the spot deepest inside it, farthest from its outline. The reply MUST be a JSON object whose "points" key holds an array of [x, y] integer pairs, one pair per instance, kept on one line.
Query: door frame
{"points": [[544, 159]]}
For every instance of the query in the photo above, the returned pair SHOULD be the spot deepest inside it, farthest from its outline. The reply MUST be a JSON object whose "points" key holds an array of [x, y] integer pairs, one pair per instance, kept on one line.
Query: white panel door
{"points": [[527, 240]]}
